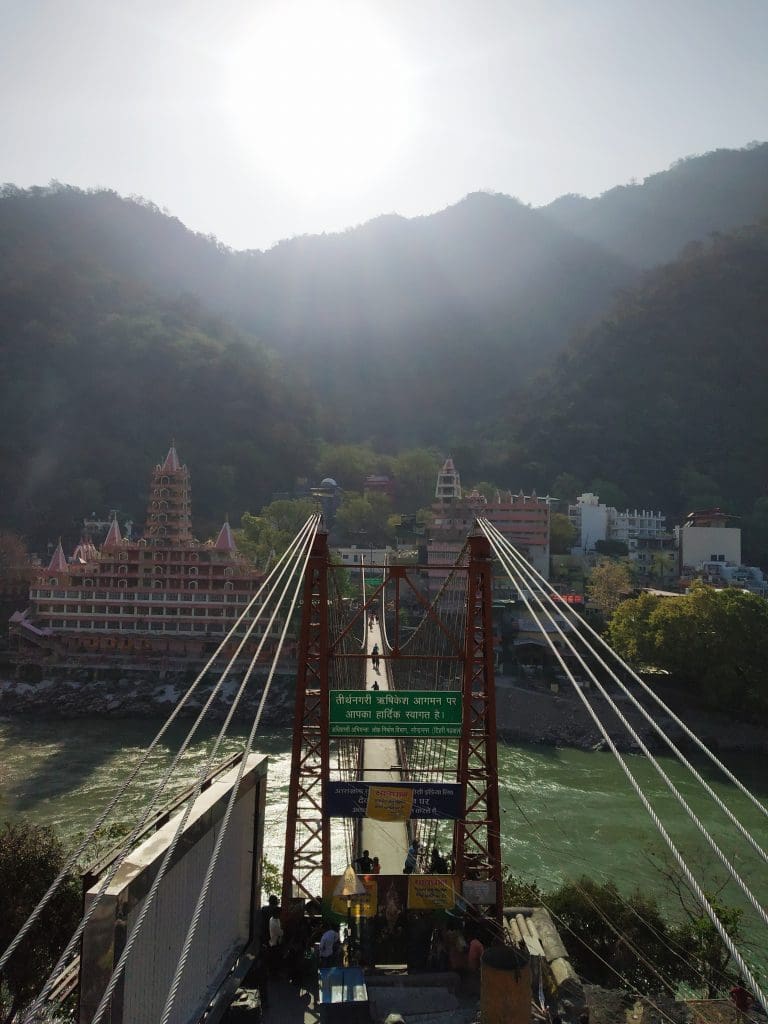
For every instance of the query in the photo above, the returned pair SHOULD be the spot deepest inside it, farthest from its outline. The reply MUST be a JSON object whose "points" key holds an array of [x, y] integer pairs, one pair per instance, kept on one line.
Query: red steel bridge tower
{"points": [[331, 656]]}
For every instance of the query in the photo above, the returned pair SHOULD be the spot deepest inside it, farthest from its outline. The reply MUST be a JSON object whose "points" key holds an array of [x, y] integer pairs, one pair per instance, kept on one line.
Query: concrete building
{"points": [[706, 536], [522, 519], [166, 594], [594, 521]]}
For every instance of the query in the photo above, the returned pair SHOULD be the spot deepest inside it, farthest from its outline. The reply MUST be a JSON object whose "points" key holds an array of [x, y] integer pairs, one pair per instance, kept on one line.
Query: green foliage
{"points": [[363, 519], [271, 880], [519, 892], [715, 641], [698, 490], [266, 536], [611, 938], [30, 858], [609, 584], [562, 534], [415, 472], [612, 548], [616, 940], [348, 464], [709, 956], [610, 494], [630, 632], [566, 487]]}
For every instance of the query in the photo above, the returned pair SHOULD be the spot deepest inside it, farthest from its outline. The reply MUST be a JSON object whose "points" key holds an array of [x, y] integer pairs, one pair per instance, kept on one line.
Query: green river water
{"points": [[564, 812]]}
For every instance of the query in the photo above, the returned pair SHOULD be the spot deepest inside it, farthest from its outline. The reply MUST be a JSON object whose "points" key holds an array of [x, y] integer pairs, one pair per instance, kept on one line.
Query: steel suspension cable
{"points": [[522, 565], [306, 531], [546, 585], [184, 956], [72, 860], [149, 898], [695, 887]]}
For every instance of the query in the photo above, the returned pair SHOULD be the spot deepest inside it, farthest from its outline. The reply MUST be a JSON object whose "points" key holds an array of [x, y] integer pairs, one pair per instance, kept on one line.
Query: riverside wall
{"points": [[525, 714]]}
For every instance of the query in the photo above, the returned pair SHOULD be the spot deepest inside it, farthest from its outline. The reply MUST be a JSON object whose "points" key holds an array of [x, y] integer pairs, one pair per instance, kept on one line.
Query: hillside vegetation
{"points": [[120, 329]]}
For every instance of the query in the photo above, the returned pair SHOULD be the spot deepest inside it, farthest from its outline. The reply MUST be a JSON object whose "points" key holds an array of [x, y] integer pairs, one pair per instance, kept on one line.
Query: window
{"points": [[228, 586], [123, 556], [122, 584], [158, 584], [193, 585], [122, 571], [192, 570]]}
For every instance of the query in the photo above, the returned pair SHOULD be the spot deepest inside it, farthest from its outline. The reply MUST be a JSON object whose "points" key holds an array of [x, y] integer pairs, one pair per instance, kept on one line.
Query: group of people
{"points": [[438, 864], [367, 865], [373, 618]]}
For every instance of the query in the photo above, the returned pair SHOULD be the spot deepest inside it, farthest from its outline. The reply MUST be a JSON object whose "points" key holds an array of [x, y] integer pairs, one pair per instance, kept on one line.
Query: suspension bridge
{"points": [[394, 749]]}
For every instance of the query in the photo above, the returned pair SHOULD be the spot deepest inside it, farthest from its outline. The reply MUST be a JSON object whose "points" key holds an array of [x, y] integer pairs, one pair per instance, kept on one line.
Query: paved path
{"points": [[383, 839]]}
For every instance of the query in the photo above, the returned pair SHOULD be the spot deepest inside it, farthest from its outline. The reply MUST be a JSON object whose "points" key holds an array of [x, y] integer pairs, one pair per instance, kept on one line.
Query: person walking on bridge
{"points": [[375, 657]]}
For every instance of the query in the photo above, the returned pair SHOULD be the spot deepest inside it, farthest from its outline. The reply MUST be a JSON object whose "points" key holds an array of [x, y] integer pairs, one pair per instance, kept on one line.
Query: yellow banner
{"points": [[389, 803], [432, 892], [359, 906]]}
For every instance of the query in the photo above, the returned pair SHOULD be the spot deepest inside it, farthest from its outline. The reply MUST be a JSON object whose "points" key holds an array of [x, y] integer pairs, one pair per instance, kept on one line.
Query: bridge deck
{"points": [[387, 840]]}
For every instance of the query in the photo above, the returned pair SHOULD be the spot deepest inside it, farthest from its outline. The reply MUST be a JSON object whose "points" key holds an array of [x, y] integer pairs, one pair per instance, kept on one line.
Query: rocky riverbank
{"points": [[142, 695], [524, 714], [529, 715]]}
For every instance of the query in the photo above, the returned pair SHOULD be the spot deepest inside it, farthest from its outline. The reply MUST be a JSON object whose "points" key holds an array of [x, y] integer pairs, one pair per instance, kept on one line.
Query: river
{"points": [[564, 813]]}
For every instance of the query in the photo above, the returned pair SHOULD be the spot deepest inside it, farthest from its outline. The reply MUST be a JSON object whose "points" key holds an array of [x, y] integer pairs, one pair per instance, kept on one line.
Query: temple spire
{"points": [[113, 538], [225, 541], [172, 463], [58, 562]]}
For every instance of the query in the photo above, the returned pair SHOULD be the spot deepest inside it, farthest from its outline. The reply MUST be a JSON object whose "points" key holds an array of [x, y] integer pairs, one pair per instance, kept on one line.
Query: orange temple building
{"points": [[165, 596]]}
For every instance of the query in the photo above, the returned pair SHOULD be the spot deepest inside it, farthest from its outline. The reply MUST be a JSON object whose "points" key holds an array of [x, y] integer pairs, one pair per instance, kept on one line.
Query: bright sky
{"points": [[256, 120]]}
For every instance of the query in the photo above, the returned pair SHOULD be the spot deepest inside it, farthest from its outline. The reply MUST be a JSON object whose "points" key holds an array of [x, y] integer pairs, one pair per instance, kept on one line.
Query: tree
{"points": [[630, 632], [415, 472], [612, 548], [31, 857], [610, 937], [348, 464], [362, 519], [562, 534], [716, 641], [609, 584], [609, 493], [268, 534], [566, 487]]}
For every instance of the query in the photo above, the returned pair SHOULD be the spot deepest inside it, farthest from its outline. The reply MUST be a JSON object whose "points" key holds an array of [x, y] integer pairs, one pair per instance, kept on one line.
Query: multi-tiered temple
{"points": [[165, 596]]}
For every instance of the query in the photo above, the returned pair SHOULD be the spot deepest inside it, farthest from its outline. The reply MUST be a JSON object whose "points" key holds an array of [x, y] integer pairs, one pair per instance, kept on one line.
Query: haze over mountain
{"points": [[120, 328]]}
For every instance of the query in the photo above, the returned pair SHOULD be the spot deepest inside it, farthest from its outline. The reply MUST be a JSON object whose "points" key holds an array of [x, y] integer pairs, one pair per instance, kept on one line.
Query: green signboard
{"points": [[408, 713]]}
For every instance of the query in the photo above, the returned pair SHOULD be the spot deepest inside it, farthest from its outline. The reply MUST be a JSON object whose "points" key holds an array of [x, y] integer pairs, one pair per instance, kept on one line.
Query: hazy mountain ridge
{"points": [[666, 397], [650, 222], [119, 328]]}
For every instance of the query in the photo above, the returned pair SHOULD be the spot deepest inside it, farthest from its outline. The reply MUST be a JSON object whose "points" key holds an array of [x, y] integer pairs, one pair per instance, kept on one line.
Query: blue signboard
{"points": [[393, 801]]}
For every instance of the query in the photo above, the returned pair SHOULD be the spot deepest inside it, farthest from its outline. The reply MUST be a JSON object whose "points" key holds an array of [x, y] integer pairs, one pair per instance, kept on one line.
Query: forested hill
{"points": [[666, 398], [649, 222], [368, 312], [119, 328], [99, 374]]}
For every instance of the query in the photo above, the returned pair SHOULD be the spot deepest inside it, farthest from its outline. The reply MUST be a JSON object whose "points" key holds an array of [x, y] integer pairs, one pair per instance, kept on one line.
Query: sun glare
{"points": [[320, 96]]}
